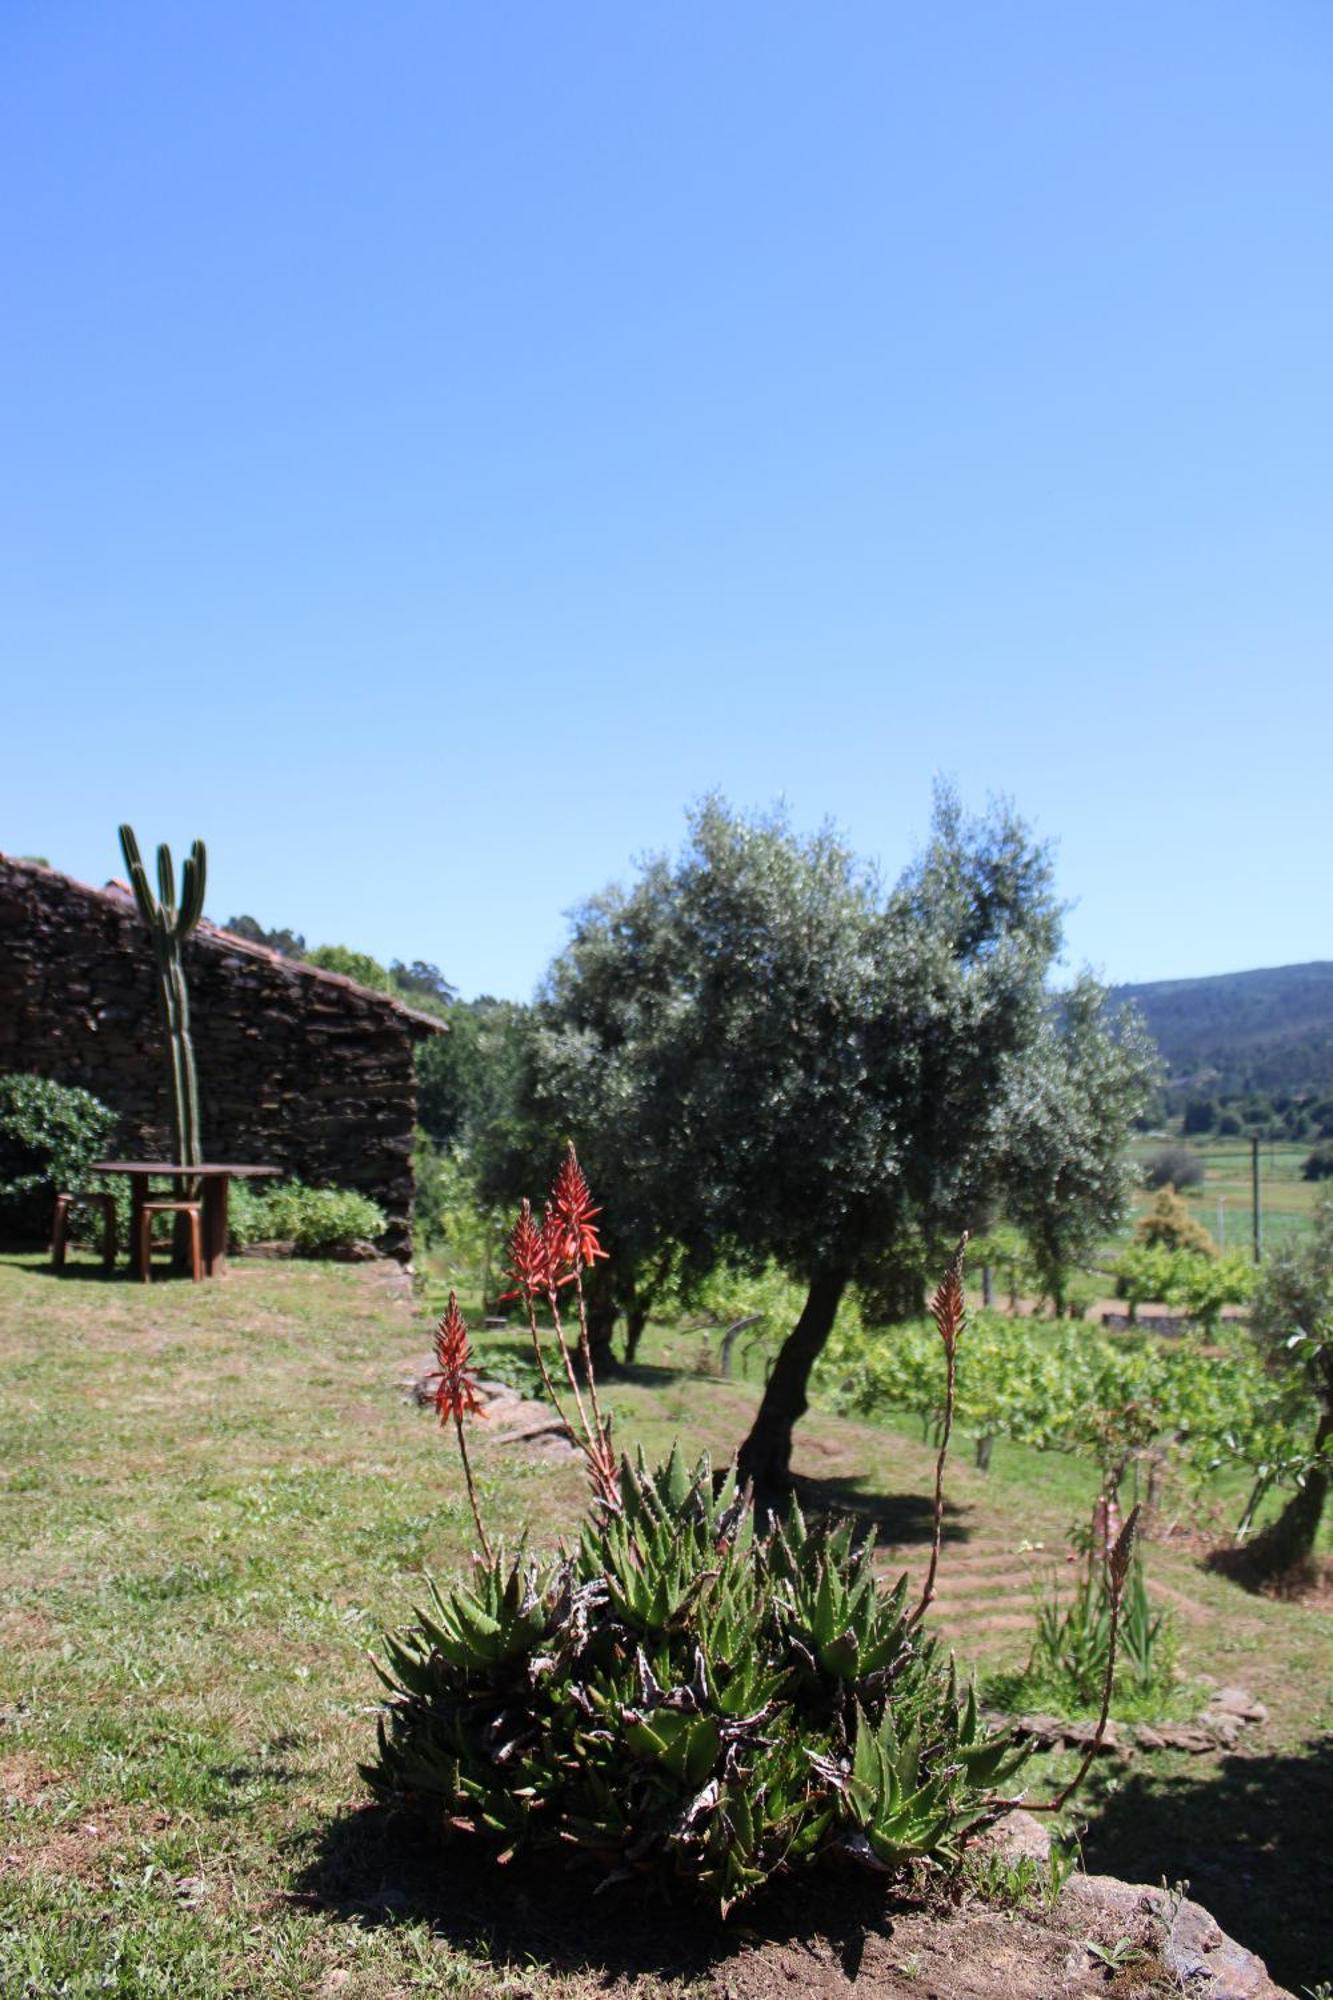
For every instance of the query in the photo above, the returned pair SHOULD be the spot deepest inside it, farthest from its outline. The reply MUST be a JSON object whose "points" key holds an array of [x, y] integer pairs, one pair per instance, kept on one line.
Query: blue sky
{"points": [[439, 443]]}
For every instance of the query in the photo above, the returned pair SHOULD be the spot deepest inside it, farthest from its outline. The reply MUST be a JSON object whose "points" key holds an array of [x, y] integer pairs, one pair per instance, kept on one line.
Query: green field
{"points": [[214, 1497], [1225, 1203]]}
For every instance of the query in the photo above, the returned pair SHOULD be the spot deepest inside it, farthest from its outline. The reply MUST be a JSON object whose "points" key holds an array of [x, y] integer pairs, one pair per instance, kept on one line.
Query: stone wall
{"points": [[298, 1068]]}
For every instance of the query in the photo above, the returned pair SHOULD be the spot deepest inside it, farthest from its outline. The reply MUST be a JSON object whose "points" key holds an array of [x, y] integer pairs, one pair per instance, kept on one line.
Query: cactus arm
{"points": [[166, 881], [192, 888], [143, 895], [129, 847]]}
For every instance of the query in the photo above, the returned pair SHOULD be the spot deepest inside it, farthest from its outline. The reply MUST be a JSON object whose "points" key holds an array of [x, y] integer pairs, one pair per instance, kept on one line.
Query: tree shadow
{"points": [[1250, 1835], [1246, 1564], [652, 1374], [377, 1866], [890, 1519]]}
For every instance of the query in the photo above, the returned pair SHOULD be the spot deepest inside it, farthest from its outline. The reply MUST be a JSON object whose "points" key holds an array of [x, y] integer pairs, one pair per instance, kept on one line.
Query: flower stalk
{"points": [[456, 1396], [948, 1309], [542, 1261]]}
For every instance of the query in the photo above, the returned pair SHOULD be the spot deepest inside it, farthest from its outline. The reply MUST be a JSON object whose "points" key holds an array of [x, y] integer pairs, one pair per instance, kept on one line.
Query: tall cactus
{"points": [[168, 926]]}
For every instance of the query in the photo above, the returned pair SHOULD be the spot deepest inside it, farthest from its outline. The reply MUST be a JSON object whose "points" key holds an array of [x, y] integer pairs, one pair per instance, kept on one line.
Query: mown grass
{"points": [[212, 1500]]}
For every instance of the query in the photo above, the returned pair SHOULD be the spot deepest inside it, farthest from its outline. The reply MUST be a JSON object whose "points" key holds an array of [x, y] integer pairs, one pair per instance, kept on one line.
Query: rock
{"points": [[1078, 1735], [1206, 1963], [1182, 1736], [1224, 1729], [1019, 1835], [1237, 1701], [1147, 1738], [1043, 1730]]}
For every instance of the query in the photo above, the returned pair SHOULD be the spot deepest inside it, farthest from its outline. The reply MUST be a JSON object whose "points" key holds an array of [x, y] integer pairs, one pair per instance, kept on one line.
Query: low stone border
{"points": [[512, 1419], [1230, 1710]]}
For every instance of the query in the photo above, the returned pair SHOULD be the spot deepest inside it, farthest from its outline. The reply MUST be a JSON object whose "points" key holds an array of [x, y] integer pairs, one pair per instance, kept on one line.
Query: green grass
{"points": [[212, 1500]]}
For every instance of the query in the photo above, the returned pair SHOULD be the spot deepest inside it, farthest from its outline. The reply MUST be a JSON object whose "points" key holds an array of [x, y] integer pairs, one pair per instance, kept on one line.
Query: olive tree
{"points": [[770, 1056], [1292, 1317]]}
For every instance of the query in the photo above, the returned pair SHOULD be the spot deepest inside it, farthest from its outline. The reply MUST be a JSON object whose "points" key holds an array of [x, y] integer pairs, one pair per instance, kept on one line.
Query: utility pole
{"points": [[1255, 1198]]}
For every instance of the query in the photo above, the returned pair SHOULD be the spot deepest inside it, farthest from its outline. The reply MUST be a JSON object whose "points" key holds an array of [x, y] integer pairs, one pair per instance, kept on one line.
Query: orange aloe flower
{"points": [[456, 1391], [571, 1212]]}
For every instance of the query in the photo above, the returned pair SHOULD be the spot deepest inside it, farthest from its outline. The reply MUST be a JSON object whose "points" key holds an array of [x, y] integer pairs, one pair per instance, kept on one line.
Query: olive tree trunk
{"points": [[636, 1319], [765, 1456], [1289, 1543]]}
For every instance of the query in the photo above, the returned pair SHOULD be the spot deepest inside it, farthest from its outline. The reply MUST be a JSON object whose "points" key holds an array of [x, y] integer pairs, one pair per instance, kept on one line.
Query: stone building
{"points": [[298, 1068]]}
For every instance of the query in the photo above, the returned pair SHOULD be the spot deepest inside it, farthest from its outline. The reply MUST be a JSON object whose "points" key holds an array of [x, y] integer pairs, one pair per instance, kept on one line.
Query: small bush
{"points": [[318, 1222], [688, 1697], [50, 1134], [1318, 1165], [1167, 1222], [1174, 1166]]}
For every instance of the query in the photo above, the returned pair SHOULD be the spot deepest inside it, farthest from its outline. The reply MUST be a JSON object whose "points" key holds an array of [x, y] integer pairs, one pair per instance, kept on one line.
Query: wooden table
{"points": [[213, 1177]]}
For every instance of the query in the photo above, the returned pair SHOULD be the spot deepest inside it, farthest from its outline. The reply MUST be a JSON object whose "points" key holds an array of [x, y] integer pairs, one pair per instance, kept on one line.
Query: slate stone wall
{"points": [[298, 1068]]}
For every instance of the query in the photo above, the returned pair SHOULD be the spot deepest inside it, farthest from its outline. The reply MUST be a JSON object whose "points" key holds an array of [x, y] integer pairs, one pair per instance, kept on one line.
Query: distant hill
{"points": [[1237, 1031]]}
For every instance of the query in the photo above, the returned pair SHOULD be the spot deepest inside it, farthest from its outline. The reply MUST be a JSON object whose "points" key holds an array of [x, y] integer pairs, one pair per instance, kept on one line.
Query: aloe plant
{"points": [[686, 1695], [169, 923]]}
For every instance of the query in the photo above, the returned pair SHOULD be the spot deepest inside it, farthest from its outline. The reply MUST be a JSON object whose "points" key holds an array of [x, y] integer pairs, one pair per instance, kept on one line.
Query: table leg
{"points": [[215, 1224], [138, 1196]]}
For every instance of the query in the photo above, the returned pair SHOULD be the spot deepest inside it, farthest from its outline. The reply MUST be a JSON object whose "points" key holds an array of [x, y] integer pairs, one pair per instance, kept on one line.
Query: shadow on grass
{"points": [[515, 1349], [95, 1274], [379, 1866], [1250, 1836], [891, 1518]]}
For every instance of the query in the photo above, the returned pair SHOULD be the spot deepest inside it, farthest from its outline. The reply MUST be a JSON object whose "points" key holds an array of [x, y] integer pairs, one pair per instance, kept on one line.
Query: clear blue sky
{"points": [[439, 442]]}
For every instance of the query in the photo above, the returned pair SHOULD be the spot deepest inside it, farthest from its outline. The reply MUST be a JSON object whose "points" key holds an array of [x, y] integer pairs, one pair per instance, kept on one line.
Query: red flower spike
{"points": [[948, 1308], [529, 1254], [456, 1391], [572, 1209]]}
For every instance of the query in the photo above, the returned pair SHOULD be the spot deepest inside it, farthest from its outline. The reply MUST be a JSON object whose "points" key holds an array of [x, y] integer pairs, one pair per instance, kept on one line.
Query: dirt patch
{"points": [[53, 1844]]}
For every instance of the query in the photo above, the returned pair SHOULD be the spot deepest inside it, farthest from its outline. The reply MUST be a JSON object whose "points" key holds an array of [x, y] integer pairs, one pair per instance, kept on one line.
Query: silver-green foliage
{"points": [[169, 924], [687, 1696], [768, 1054]]}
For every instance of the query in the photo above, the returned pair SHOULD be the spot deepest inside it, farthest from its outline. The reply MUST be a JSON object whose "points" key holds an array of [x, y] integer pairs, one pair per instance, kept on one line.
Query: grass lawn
{"points": [[214, 1497]]}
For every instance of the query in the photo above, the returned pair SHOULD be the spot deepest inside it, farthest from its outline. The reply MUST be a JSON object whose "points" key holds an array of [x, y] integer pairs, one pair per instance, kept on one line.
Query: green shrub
{"points": [[50, 1134], [318, 1222], [1174, 1166], [686, 1697]]}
